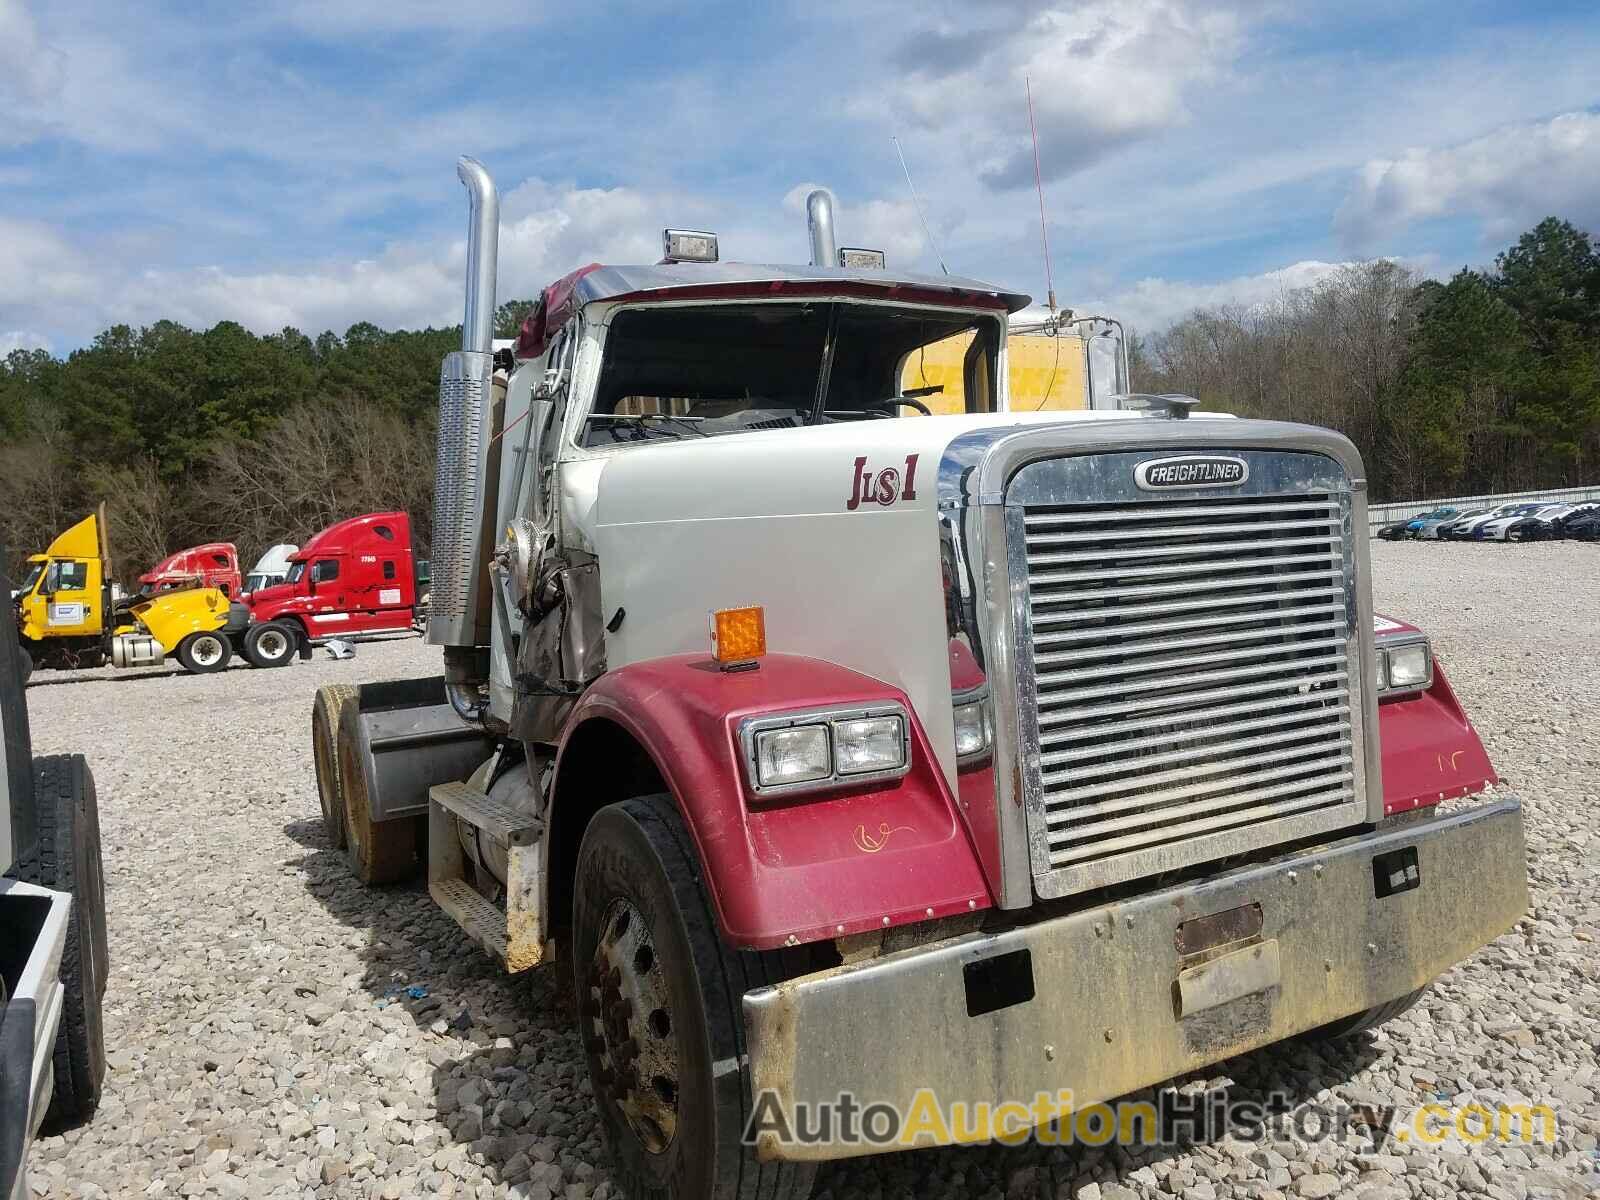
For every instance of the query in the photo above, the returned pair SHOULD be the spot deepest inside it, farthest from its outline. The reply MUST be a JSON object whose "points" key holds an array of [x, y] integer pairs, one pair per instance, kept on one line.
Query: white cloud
{"points": [[30, 69], [1104, 73], [1151, 305], [1509, 179], [546, 230], [21, 339]]}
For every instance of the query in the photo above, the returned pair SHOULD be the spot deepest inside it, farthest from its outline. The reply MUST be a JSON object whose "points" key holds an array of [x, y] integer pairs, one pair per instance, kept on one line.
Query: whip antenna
{"points": [[1038, 182], [917, 200]]}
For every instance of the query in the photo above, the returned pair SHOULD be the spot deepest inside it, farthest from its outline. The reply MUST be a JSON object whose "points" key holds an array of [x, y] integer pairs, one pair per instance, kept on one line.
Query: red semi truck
{"points": [[213, 565], [356, 577]]}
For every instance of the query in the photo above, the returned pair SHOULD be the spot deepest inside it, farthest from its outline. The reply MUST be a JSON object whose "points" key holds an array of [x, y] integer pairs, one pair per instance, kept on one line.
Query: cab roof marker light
{"points": [[855, 258], [688, 245]]}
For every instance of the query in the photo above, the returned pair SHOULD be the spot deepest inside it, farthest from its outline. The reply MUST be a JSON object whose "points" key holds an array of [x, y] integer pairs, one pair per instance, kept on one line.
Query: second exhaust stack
{"points": [[819, 223]]}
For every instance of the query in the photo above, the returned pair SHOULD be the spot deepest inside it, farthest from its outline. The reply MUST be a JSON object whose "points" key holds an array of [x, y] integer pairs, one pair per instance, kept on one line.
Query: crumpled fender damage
{"points": [[802, 868]]}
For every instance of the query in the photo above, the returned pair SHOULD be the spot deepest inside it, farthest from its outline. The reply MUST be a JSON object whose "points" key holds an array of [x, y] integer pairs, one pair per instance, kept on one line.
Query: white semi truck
{"points": [[271, 568], [52, 935], [846, 754]]}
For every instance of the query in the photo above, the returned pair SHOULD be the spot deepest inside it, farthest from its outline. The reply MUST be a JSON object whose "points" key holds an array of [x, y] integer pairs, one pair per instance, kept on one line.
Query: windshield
{"points": [[295, 571], [706, 370], [32, 577]]}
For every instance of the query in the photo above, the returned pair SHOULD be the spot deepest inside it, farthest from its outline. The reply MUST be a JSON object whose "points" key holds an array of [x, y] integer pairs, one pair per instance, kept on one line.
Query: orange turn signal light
{"points": [[738, 635]]}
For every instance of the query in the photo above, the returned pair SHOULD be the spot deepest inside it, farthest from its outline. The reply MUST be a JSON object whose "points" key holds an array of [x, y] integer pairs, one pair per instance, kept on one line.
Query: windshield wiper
{"points": [[641, 419]]}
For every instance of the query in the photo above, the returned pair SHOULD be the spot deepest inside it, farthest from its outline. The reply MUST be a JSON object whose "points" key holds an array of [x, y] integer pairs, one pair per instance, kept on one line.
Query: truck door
{"points": [[330, 601], [71, 595]]}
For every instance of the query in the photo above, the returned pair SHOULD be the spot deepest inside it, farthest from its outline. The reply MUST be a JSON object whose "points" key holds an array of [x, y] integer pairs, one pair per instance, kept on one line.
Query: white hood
{"points": [[685, 528]]}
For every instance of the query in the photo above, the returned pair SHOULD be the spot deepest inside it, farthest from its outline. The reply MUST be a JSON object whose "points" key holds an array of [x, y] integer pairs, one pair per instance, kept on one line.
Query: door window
{"points": [[326, 571], [68, 577]]}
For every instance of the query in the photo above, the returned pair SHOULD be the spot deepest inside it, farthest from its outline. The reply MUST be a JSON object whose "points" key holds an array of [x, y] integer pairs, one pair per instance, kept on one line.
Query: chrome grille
{"points": [[1192, 679]]}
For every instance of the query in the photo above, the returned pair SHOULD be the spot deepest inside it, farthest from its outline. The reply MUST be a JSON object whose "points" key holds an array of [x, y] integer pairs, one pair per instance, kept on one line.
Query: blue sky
{"points": [[292, 163]]}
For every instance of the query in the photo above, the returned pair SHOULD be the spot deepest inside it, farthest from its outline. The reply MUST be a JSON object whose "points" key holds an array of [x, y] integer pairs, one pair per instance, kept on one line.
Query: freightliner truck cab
{"points": [[843, 749]]}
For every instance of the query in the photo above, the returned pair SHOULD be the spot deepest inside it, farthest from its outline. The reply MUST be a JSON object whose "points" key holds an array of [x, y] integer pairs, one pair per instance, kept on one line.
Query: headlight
{"points": [[1406, 667], [821, 748], [869, 744], [973, 733], [796, 755]]}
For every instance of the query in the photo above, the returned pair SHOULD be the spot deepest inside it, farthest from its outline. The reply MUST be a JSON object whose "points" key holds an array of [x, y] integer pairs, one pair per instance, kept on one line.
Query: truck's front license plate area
{"points": [[1125, 996], [1246, 972]]}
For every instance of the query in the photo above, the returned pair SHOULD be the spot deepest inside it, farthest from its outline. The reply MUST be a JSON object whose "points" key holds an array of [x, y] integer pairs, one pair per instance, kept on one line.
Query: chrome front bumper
{"points": [[1108, 1000]]}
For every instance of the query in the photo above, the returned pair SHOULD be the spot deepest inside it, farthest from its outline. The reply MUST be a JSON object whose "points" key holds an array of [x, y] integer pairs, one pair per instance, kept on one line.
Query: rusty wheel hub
{"points": [[631, 1029]]}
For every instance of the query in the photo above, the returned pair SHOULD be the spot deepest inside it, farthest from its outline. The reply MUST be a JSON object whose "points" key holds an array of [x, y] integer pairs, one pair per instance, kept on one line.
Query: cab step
{"points": [[512, 933], [488, 814], [481, 919]]}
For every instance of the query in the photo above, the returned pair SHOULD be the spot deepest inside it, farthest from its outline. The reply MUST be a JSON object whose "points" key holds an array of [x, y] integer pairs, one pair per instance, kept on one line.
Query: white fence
{"points": [[1379, 515]]}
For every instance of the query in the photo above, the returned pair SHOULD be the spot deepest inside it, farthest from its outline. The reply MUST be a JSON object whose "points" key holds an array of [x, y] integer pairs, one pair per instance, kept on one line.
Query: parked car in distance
{"points": [[1397, 531], [1493, 529], [1583, 525], [1462, 528], [1531, 525], [1415, 525], [1575, 513], [1428, 529]]}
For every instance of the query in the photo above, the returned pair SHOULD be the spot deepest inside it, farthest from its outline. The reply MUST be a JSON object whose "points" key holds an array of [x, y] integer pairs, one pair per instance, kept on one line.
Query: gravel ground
{"points": [[263, 1040]]}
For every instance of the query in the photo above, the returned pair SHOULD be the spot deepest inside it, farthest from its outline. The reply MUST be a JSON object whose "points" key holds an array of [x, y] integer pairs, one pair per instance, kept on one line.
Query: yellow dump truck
{"points": [[66, 618]]}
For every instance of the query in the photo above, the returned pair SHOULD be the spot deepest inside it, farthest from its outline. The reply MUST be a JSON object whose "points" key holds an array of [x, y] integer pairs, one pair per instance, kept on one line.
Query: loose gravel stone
{"points": [[276, 1030]]}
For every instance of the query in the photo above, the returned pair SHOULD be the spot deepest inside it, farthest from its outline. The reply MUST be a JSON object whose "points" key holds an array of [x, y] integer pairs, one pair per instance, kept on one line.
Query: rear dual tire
{"points": [[378, 851], [326, 709]]}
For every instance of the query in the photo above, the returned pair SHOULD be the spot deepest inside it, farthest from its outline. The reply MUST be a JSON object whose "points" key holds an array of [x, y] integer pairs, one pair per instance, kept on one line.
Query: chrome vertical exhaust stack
{"points": [[483, 252], [819, 223], [464, 487]]}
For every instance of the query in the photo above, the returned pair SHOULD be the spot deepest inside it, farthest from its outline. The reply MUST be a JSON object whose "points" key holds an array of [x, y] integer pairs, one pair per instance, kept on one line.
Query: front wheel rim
{"points": [[207, 651], [272, 645], [631, 1028]]}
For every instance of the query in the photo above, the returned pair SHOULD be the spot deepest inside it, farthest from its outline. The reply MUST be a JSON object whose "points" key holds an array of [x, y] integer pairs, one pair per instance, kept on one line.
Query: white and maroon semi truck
{"points": [[53, 959], [841, 751]]}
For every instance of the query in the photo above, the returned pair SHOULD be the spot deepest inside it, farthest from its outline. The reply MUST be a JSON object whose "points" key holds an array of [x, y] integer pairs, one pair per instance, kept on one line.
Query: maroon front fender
{"points": [[802, 868], [1431, 752]]}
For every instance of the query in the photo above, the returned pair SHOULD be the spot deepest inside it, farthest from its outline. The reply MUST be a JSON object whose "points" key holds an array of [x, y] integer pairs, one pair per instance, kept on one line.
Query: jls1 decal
{"points": [[883, 487]]}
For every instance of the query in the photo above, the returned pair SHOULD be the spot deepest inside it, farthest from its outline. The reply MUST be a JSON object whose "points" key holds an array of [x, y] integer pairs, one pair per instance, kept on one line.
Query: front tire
{"points": [[326, 709], [1367, 1019], [270, 644], [204, 653], [66, 858], [659, 998]]}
